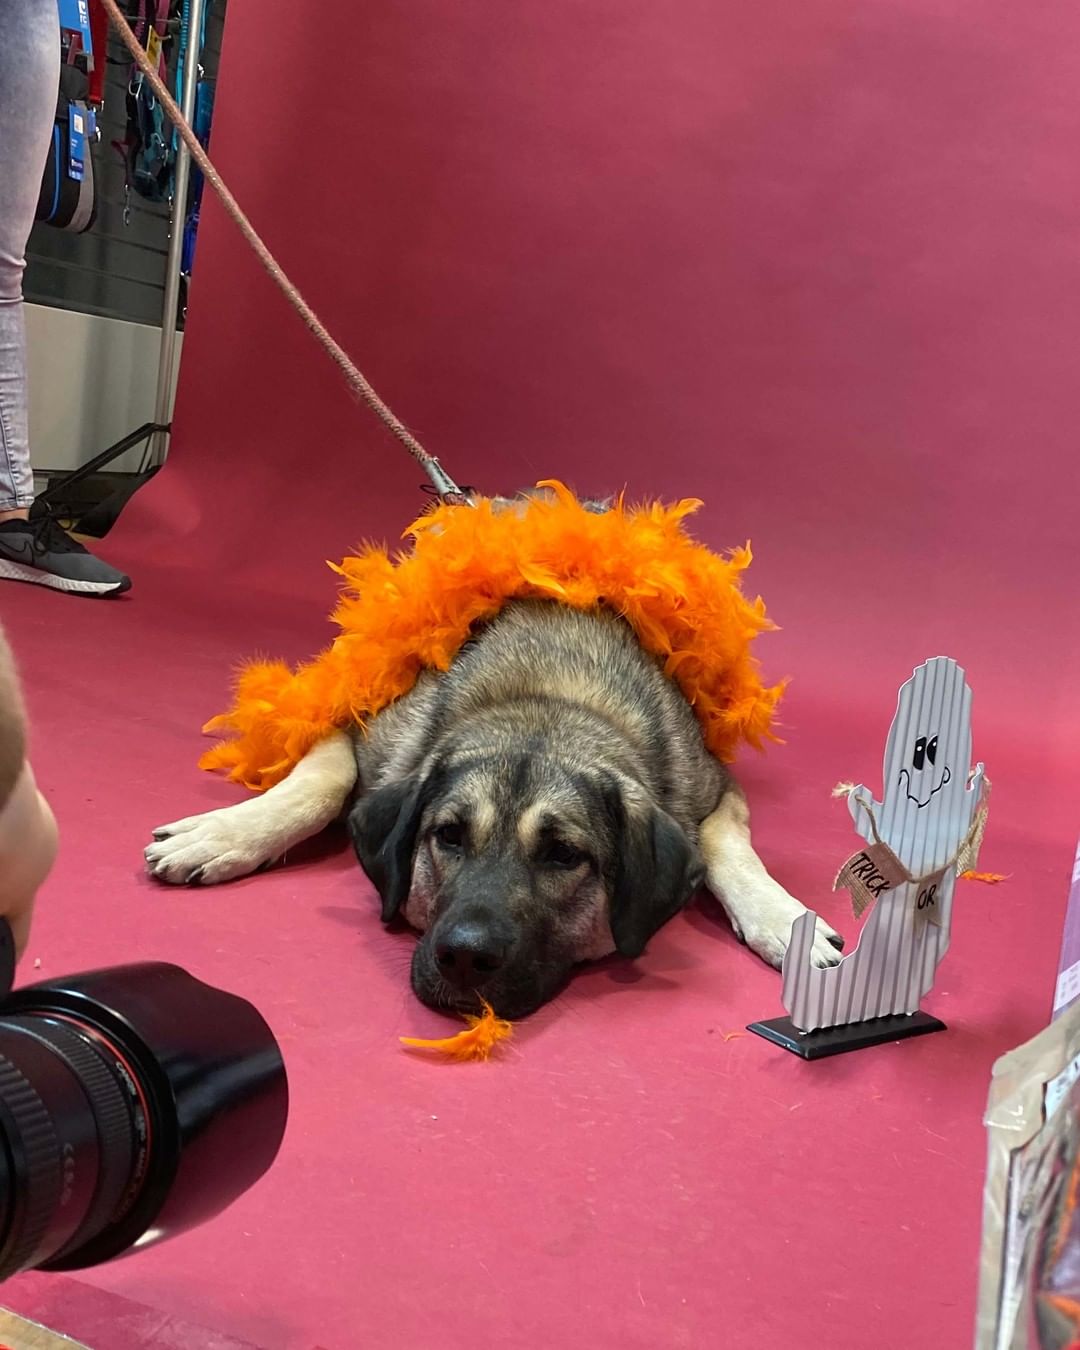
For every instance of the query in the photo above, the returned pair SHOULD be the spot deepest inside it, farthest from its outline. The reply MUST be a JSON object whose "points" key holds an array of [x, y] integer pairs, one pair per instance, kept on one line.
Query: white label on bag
{"points": [[1057, 1089]]}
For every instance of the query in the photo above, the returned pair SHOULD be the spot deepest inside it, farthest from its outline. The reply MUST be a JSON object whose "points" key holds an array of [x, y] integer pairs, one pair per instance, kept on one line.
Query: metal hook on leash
{"points": [[444, 485]]}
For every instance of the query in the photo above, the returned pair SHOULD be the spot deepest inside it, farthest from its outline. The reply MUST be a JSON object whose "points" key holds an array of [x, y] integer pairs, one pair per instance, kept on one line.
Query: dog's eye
{"points": [[450, 835], [559, 854], [931, 750], [918, 759]]}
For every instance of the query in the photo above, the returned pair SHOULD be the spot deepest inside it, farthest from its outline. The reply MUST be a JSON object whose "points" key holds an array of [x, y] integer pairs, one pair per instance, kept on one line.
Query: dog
{"points": [[547, 801]]}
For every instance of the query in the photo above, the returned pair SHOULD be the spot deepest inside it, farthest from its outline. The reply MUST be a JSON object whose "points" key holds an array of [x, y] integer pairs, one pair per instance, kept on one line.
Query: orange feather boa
{"points": [[398, 615]]}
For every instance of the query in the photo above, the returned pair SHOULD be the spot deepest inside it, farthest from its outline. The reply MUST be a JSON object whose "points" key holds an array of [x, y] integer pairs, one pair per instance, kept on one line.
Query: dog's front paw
{"points": [[828, 946], [769, 934], [204, 850]]}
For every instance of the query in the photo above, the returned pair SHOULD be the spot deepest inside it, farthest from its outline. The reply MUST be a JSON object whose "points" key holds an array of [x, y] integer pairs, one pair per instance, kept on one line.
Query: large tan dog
{"points": [[546, 801]]}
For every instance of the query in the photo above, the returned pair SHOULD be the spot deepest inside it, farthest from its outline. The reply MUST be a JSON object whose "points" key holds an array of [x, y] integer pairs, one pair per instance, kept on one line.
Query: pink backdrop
{"points": [[817, 263]]}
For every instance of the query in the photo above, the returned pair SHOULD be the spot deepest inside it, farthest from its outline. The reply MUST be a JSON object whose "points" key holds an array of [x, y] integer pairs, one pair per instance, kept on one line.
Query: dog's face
{"points": [[515, 869]]}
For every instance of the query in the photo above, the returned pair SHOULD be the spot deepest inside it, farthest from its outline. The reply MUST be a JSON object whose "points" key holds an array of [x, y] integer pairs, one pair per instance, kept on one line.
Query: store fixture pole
{"points": [[181, 177]]}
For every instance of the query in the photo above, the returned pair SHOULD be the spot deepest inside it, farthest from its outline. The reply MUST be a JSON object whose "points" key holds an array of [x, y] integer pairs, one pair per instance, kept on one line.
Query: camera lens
{"points": [[134, 1103]]}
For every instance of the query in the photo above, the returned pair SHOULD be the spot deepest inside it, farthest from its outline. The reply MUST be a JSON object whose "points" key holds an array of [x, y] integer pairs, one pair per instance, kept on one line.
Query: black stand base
{"points": [[853, 1036], [58, 484]]}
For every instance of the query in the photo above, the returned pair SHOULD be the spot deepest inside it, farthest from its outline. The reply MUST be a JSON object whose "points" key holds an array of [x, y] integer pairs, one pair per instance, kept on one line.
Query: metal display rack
{"points": [[156, 431]]}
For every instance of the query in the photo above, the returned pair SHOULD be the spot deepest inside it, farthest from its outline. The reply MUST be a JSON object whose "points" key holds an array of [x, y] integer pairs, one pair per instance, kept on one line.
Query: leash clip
{"points": [[444, 485]]}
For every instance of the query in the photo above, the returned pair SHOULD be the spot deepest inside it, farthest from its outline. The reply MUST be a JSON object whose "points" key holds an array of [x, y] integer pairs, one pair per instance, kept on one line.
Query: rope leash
{"points": [[444, 485]]}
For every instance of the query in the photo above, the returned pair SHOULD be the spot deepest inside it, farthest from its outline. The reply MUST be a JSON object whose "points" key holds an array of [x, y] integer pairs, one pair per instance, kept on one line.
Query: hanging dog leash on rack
{"points": [[444, 485], [68, 198], [149, 152]]}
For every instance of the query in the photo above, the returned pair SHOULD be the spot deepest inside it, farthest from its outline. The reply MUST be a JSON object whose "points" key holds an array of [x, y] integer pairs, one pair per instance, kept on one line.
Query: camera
{"points": [[135, 1103]]}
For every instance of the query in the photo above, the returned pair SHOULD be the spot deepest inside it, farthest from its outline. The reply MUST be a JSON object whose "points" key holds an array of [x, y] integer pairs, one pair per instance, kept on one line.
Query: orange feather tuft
{"points": [[399, 615], [476, 1042], [990, 878]]}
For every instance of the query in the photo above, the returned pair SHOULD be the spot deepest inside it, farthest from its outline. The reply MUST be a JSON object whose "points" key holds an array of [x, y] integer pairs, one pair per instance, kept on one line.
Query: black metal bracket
{"points": [[57, 486]]}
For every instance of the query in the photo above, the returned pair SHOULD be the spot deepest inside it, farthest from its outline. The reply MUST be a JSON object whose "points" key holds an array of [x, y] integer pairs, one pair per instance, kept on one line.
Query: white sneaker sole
{"points": [[13, 571]]}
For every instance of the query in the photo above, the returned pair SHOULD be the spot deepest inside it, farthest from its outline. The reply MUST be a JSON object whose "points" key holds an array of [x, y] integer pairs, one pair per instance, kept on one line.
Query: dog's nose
{"points": [[469, 954]]}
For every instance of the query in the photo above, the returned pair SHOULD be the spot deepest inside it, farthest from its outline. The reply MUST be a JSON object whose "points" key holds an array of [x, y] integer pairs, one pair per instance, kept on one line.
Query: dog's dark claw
{"points": [[837, 941], [194, 878], [163, 833]]}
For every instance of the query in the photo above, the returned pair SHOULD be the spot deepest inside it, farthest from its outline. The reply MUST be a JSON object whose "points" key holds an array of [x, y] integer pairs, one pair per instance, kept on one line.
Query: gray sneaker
{"points": [[41, 552]]}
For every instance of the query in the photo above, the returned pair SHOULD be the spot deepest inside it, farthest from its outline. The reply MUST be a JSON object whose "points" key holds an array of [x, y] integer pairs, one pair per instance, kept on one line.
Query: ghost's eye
{"points": [[918, 759], [931, 750]]}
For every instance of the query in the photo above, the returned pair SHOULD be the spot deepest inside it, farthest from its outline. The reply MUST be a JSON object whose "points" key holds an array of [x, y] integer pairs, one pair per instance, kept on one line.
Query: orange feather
{"points": [[476, 1042], [398, 615]]}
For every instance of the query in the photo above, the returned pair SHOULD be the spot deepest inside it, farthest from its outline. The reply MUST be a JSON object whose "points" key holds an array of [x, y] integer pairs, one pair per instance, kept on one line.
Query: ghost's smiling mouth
{"points": [[944, 779]]}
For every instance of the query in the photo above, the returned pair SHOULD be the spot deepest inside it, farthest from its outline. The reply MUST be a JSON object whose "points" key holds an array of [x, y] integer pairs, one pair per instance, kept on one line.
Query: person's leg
{"points": [[40, 552], [29, 79]]}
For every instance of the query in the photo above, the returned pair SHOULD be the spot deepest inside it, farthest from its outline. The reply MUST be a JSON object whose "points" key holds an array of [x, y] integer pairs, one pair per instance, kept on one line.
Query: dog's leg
{"points": [[760, 910], [237, 840]]}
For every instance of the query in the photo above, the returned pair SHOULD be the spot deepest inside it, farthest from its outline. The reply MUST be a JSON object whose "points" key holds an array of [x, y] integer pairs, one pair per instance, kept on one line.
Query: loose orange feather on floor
{"points": [[476, 1042], [399, 615]]}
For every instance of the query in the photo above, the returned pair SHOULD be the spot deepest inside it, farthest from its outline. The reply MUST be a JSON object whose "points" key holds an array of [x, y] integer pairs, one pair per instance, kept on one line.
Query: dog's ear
{"points": [[657, 869], [383, 825]]}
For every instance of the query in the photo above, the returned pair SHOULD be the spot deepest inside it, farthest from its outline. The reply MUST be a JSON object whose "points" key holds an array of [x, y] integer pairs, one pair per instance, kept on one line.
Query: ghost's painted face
{"points": [[929, 749], [920, 776]]}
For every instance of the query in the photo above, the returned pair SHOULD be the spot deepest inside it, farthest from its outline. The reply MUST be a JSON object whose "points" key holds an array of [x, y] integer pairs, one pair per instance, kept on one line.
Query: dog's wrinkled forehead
{"points": [[928, 754], [525, 796]]}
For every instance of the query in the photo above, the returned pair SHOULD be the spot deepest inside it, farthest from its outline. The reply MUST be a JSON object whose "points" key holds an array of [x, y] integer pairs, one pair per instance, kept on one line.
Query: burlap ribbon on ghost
{"points": [[875, 869]]}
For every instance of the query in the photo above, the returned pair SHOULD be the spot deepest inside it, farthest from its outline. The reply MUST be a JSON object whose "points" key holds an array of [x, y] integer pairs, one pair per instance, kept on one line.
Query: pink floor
{"points": [[631, 1174], [816, 264]]}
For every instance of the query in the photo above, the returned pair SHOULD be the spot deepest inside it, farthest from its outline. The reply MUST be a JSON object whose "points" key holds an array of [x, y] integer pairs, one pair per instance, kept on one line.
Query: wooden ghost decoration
{"points": [[917, 839]]}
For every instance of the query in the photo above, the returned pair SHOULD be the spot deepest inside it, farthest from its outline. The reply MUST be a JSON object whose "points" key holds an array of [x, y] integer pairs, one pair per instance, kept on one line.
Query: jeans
{"points": [[29, 81]]}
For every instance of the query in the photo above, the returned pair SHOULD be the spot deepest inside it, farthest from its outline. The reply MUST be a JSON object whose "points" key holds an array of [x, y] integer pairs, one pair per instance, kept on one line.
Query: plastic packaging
{"points": [[1029, 1272]]}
